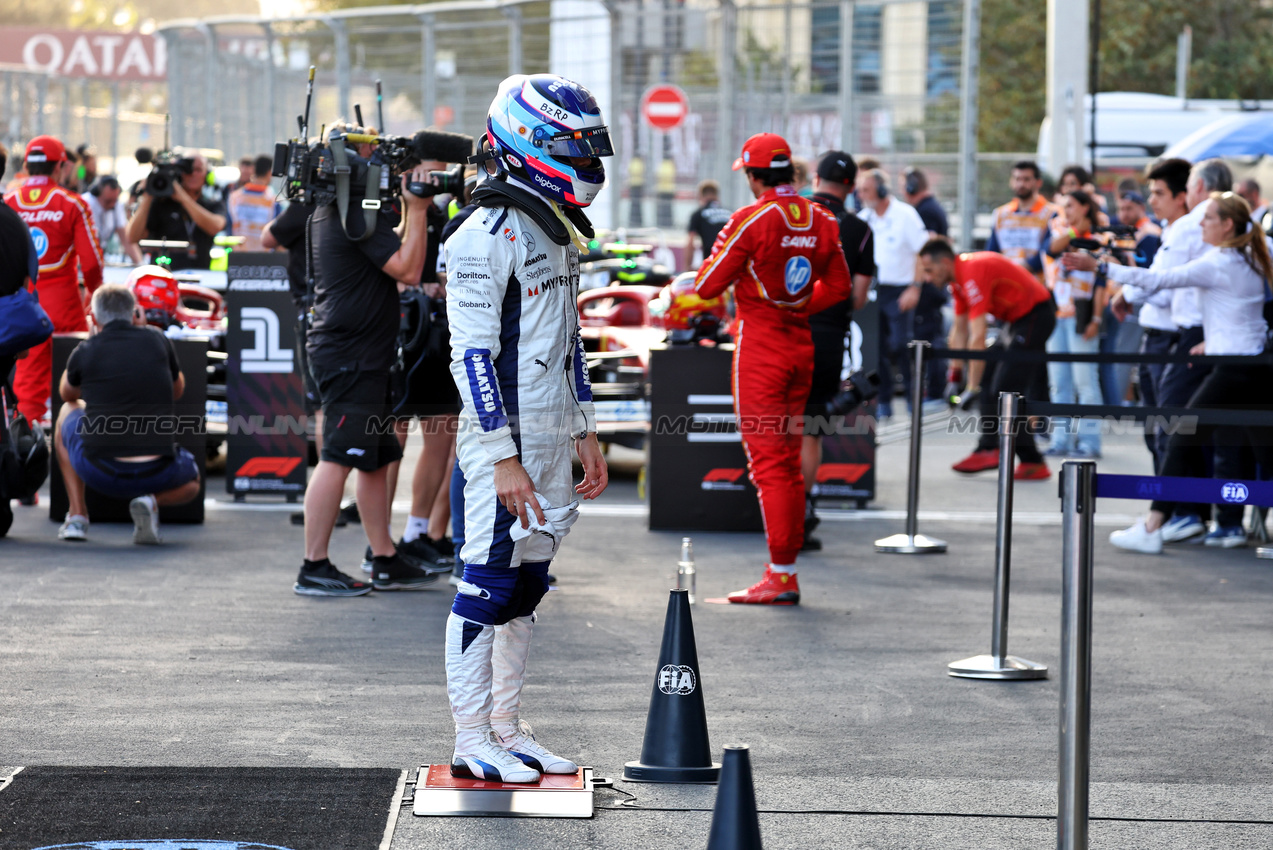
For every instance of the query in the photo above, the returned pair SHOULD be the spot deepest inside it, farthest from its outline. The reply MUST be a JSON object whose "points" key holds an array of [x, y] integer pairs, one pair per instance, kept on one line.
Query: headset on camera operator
{"points": [[173, 208]]}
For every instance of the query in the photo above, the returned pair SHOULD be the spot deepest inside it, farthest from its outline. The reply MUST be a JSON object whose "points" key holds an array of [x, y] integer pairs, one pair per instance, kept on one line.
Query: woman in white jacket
{"points": [[1233, 280]]}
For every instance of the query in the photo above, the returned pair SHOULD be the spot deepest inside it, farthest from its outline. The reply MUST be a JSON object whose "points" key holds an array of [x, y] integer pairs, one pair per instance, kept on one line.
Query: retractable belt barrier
{"points": [[1028, 355], [1080, 487]]}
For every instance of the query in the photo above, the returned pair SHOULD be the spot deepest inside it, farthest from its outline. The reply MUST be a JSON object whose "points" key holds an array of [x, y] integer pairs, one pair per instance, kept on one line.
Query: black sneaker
{"points": [[424, 554], [366, 561], [323, 579], [811, 543], [444, 545], [394, 573], [349, 513]]}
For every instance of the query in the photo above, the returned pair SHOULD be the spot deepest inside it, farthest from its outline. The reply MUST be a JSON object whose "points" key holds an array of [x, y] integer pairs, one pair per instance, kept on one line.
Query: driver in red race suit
{"points": [[783, 256], [62, 229]]}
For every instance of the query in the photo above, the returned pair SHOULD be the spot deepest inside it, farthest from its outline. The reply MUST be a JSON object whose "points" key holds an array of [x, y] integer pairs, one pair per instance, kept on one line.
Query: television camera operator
{"points": [[173, 208]]}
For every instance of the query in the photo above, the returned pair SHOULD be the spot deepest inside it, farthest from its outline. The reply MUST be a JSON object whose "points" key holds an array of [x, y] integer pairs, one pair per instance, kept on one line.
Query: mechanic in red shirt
{"points": [[62, 229], [985, 284], [784, 255]]}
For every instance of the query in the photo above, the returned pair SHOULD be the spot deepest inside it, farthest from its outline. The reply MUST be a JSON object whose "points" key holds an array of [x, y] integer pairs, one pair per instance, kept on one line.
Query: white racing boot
{"points": [[508, 664], [478, 752]]}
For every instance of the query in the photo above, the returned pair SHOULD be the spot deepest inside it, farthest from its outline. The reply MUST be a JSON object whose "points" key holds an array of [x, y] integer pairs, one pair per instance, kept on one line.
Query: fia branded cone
{"points": [[735, 824], [676, 747]]}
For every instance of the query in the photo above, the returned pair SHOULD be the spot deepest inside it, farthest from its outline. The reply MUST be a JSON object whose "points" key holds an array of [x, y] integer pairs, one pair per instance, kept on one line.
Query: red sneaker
{"points": [[773, 589], [978, 461], [1032, 472]]}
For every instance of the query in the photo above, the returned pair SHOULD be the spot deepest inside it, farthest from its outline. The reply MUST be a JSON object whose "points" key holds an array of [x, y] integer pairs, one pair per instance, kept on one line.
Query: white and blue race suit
{"points": [[518, 360]]}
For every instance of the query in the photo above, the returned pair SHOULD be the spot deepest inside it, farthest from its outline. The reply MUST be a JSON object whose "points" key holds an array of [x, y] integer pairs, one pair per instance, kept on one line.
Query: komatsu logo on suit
{"points": [[538, 258], [485, 391]]}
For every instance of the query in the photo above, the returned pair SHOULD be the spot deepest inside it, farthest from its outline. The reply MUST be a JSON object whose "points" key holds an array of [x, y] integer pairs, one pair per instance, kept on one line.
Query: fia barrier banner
{"points": [[847, 472], [1206, 491], [267, 446]]}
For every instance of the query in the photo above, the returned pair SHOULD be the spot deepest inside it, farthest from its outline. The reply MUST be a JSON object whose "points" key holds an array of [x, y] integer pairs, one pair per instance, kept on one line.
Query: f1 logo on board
{"points": [[265, 354], [279, 467], [797, 273], [723, 479], [1234, 492], [849, 473]]}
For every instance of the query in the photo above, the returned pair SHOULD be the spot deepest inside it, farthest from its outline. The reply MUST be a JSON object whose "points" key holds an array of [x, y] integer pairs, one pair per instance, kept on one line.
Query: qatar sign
{"points": [[103, 55]]}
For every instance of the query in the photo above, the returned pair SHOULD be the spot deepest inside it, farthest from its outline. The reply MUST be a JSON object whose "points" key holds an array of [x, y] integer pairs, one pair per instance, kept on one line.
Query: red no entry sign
{"points": [[664, 106]]}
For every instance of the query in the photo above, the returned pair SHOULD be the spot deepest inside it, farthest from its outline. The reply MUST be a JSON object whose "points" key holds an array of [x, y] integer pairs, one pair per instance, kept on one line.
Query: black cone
{"points": [[676, 747], [735, 824]]}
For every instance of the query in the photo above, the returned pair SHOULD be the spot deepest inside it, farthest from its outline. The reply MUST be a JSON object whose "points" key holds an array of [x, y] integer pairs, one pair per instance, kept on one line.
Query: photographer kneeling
{"points": [[173, 208], [351, 346], [126, 372]]}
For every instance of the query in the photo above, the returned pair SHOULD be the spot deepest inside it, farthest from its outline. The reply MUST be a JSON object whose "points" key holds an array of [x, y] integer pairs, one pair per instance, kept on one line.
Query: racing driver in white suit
{"points": [[518, 360]]}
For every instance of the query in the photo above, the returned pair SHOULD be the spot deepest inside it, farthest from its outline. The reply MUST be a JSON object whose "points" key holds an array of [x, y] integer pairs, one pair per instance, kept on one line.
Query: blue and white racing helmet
{"points": [[536, 122]]}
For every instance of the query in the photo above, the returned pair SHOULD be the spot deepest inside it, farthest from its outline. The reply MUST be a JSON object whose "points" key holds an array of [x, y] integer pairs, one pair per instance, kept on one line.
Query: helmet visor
{"points": [[593, 142]]}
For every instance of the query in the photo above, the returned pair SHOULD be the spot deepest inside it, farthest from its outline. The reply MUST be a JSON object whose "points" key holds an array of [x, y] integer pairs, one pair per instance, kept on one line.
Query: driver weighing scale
{"points": [[438, 793]]}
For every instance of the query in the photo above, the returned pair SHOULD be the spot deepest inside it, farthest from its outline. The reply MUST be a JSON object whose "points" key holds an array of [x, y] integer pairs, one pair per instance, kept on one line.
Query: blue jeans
{"points": [[1074, 382], [1117, 338], [896, 330]]}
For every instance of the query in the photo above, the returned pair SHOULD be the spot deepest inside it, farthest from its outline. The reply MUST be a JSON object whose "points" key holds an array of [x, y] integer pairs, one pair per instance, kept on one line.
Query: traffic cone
{"points": [[735, 824], [676, 747]]}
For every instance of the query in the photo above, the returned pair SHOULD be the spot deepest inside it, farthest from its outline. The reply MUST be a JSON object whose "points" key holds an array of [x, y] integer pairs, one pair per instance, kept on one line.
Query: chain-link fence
{"points": [[116, 118], [880, 79]]}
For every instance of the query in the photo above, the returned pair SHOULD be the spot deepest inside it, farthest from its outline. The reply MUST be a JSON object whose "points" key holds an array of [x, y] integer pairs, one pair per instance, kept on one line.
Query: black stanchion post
{"points": [[998, 664], [1078, 501], [912, 542]]}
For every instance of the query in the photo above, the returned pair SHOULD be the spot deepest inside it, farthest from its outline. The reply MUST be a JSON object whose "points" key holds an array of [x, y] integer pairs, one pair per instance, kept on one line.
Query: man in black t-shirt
{"points": [[287, 231], [115, 432], [929, 323], [832, 183], [706, 221], [186, 216], [352, 343]]}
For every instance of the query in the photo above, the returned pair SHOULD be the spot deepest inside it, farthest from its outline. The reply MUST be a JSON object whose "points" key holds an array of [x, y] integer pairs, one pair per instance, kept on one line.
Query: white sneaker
{"points": [[145, 514], [1137, 539], [1181, 528], [73, 528], [524, 746], [490, 761]]}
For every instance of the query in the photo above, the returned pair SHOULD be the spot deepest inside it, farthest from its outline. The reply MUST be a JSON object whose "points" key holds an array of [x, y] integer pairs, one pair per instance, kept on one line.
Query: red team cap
{"points": [[45, 149], [764, 150]]}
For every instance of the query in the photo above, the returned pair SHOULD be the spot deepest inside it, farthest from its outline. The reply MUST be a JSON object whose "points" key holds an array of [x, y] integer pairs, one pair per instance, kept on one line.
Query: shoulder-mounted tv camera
{"points": [[332, 171]]}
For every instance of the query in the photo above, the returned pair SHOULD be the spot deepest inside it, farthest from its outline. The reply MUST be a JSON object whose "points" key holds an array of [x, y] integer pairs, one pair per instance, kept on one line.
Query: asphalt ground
{"points": [[198, 654]]}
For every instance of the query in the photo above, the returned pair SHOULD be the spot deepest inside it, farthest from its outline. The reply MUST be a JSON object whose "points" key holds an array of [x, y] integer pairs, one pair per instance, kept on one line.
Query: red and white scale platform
{"points": [[439, 794]]}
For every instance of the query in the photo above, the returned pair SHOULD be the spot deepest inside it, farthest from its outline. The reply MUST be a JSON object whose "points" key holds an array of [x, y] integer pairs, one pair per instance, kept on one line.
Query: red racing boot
{"points": [[978, 461], [774, 589], [1032, 472]]}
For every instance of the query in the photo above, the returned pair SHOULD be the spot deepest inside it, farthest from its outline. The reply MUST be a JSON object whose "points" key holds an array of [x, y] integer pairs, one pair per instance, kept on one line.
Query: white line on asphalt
{"points": [[395, 806], [1037, 518]]}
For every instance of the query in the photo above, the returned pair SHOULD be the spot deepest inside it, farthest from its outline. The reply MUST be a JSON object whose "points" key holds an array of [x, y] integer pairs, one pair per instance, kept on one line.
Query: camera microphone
{"points": [[439, 145]]}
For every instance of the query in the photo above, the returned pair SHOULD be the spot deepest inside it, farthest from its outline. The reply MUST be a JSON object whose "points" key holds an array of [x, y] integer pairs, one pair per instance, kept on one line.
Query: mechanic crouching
{"points": [[119, 387]]}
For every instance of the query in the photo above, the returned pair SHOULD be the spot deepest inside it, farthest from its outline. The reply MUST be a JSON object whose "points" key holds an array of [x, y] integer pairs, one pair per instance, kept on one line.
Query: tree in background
{"points": [[1232, 57]]}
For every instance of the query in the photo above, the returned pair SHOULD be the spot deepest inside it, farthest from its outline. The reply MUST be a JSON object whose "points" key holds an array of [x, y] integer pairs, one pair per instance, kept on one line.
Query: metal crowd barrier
{"points": [[912, 542], [1080, 487]]}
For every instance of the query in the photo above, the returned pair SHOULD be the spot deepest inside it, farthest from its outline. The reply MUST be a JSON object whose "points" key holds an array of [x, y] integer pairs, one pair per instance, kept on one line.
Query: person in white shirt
{"points": [[899, 233], [1232, 280], [109, 218]]}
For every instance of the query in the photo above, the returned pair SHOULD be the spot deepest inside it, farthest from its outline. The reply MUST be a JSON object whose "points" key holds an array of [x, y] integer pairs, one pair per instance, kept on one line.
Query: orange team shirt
{"points": [[986, 282], [784, 253]]}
